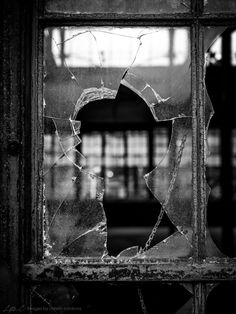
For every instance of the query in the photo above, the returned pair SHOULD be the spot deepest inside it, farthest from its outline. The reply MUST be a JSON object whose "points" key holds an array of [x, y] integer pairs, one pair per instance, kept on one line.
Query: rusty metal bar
{"points": [[199, 184], [114, 16], [129, 21], [194, 139], [67, 17], [167, 271], [37, 136], [199, 299]]}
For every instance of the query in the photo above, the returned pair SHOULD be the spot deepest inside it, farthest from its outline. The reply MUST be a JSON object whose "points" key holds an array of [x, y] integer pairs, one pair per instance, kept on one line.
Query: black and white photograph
{"points": [[118, 156]]}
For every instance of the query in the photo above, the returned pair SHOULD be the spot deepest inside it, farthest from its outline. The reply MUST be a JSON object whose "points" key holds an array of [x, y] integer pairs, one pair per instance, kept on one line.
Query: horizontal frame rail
{"points": [[212, 270]]}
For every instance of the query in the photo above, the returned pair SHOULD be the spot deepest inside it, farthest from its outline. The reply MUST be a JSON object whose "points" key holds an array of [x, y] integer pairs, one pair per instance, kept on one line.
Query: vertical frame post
{"points": [[199, 182], [37, 135]]}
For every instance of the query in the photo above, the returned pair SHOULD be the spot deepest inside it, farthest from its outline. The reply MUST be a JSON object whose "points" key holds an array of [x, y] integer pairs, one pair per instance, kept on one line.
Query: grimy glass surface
{"points": [[117, 6], [221, 6], [109, 148]]}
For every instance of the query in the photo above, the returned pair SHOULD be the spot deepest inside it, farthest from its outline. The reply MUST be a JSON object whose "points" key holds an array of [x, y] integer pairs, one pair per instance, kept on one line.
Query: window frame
{"points": [[199, 270]]}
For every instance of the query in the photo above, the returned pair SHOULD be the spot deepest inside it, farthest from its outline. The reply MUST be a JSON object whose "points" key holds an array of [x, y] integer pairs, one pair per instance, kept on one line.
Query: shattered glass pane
{"points": [[114, 6], [172, 186], [110, 152], [226, 6]]}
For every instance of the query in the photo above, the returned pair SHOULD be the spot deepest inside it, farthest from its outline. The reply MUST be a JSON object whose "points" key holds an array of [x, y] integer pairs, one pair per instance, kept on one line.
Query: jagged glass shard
{"points": [[175, 246], [90, 244], [114, 6], [188, 286], [210, 35], [60, 145], [209, 111], [76, 125], [68, 140], [187, 308], [172, 184], [93, 94], [128, 253], [168, 92]]}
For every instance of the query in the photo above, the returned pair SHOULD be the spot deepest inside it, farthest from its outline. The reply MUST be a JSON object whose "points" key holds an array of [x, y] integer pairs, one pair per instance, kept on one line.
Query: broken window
{"points": [[119, 74], [118, 142], [128, 131]]}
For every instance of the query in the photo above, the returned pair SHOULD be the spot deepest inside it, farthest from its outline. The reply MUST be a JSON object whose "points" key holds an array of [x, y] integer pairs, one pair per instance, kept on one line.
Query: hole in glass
{"points": [[129, 155], [122, 142]]}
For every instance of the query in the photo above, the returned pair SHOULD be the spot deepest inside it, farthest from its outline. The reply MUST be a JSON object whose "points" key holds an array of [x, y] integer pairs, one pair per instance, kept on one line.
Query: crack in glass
{"points": [[76, 223]]}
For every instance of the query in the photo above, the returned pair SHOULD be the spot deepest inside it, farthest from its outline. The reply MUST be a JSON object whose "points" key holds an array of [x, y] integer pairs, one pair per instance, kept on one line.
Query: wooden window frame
{"points": [[21, 114]]}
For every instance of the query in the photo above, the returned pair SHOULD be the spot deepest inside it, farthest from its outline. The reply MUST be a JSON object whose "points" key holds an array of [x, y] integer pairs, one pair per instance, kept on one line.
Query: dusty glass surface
{"points": [[120, 6], [89, 68], [220, 6]]}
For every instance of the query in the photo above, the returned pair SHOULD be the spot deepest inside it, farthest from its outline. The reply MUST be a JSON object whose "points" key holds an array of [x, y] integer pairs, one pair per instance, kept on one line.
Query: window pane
{"points": [[118, 141], [220, 6], [221, 161], [120, 6]]}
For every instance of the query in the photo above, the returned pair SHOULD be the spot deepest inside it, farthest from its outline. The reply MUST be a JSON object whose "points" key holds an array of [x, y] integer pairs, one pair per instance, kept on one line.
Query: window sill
{"points": [[185, 270]]}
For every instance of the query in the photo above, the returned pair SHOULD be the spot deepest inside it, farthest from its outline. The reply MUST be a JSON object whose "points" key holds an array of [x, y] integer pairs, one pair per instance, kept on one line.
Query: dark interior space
{"points": [[131, 209]]}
